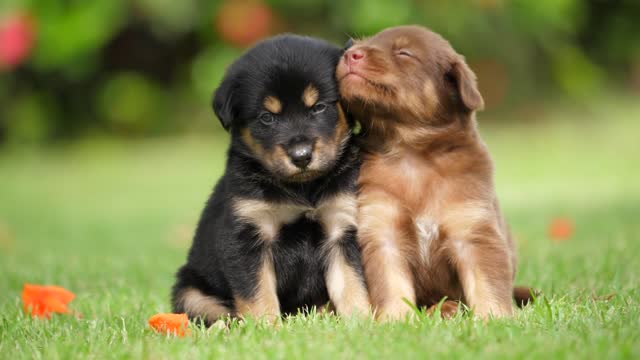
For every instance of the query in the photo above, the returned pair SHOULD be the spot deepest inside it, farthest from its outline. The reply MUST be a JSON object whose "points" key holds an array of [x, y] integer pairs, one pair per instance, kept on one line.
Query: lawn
{"points": [[112, 221]]}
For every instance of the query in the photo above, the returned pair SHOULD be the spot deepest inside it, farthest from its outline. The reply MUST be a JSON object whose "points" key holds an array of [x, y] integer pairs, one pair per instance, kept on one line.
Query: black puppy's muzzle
{"points": [[300, 152]]}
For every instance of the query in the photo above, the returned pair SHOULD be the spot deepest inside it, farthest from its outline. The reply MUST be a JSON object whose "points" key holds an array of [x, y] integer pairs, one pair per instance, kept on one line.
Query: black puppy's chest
{"points": [[300, 238], [299, 262]]}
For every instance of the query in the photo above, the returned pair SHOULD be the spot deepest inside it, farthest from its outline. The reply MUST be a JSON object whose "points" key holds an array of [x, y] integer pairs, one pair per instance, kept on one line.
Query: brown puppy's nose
{"points": [[353, 56]]}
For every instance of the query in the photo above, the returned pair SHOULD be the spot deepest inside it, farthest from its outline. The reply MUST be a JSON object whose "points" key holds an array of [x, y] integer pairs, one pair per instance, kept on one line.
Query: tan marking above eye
{"points": [[272, 104], [310, 95]]}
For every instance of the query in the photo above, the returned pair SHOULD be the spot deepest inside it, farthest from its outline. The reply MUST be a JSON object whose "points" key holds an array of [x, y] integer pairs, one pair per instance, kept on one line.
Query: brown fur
{"points": [[429, 221], [448, 310]]}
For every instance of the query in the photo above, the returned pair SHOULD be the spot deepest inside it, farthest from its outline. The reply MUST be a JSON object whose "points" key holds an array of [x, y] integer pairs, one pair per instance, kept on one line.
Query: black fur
{"points": [[225, 257]]}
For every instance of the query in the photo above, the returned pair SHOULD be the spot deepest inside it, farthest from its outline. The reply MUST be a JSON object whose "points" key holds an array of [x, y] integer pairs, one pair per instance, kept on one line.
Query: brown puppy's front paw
{"points": [[493, 311], [448, 310], [394, 312]]}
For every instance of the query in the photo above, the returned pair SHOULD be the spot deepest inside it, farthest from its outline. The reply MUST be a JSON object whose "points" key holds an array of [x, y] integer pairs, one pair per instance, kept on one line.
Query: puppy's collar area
{"points": [[336, 213]]}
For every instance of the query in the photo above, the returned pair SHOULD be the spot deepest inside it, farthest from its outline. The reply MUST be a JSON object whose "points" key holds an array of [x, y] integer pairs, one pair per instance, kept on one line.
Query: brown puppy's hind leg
{"points": [[485, 274], [486, 291]]}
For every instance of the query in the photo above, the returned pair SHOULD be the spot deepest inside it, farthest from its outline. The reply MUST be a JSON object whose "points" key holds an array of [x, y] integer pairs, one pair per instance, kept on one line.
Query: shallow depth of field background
{"points": [[109, 149]]}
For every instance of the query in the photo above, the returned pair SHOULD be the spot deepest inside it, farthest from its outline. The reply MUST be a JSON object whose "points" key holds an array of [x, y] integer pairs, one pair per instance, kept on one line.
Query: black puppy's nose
{"points": [[300, 154]]}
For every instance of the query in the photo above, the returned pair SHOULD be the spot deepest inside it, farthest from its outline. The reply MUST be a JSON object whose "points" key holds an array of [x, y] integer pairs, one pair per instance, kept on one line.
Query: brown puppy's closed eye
{"points": [[429, 221]]}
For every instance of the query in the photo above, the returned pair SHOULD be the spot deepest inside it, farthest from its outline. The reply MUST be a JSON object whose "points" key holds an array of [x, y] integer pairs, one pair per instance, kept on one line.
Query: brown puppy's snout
{"points": [[353, 56], [300, 151]]}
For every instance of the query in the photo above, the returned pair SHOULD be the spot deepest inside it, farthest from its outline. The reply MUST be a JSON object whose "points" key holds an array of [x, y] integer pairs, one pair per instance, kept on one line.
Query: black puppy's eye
{"points": [[267, 118], [318, 108]]}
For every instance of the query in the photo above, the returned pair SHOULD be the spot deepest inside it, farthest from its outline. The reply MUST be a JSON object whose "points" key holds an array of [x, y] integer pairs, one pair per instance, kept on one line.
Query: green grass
{"points": [[112, 222]]}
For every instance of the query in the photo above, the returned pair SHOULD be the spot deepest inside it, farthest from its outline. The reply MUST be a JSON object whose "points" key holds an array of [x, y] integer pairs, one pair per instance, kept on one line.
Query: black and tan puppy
{"points": [[279, 232]]}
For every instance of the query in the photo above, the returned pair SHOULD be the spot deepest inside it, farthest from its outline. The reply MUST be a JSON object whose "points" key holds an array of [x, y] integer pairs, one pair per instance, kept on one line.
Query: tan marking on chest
{"points": [[268, 217], [337, 215]]}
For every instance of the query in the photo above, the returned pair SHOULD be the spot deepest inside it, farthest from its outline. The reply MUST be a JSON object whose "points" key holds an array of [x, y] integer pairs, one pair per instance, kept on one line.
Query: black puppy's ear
{"points": [[348, 44], [465, 82], [223, 103]]}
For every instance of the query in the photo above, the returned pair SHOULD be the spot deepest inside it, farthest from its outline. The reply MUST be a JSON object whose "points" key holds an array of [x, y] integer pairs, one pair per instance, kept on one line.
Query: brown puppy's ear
{"points": [[465, 81]]}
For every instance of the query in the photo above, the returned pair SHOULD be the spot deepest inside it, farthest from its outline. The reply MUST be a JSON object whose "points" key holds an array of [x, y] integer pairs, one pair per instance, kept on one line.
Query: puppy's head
{"points": [[407, 72], [280, 102]]}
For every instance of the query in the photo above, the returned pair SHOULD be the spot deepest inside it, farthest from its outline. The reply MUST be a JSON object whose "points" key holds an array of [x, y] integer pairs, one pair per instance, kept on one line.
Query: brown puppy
{"points": [[429, 221]]}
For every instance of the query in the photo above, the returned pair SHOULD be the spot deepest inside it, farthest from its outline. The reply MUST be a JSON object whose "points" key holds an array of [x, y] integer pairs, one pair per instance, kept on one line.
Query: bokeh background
{"points": [[109, 149], [135, 68]]}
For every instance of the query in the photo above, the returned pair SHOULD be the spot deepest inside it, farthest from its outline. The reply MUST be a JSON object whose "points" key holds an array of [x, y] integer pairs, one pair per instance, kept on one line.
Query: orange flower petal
{"points": [[60, 293], [41, 301], [561, 229], [55, 305], [177, 324]]}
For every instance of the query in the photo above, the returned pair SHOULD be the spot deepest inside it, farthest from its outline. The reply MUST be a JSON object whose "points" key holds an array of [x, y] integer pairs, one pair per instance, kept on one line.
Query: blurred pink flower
{"points": [[17, 37]]}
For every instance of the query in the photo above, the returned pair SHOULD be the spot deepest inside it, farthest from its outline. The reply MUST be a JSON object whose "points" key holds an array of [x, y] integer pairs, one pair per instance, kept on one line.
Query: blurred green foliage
{"points": [[144, 67]]}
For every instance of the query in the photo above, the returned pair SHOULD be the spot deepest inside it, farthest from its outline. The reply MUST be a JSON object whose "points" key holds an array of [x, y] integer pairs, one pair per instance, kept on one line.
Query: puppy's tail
{"points": [[524, 295]]}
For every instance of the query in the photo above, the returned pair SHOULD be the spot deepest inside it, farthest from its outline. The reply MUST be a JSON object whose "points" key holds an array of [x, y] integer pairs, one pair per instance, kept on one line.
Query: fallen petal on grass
{"points": [[561, 229], [175, 324], [41, 301]]}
